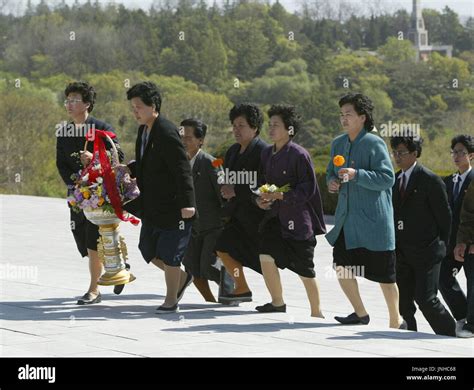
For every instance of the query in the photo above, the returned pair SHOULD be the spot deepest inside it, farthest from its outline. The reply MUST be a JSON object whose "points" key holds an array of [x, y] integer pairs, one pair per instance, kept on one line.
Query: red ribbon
{"points": [[108, 174]]}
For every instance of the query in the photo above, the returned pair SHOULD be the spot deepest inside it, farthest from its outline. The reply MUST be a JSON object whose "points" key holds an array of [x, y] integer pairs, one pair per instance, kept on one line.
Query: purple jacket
{"points": [[301, 210]]}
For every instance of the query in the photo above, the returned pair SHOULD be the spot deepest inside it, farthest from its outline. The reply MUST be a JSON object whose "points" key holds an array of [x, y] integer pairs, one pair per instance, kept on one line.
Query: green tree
{"points": [[28, 167], [396, 51], [373, 35], [249, 49], [285, 82]]}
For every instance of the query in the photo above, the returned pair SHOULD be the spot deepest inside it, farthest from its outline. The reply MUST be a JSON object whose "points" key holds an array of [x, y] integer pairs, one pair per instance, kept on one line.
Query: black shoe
{"points": [[466, 332], [166, 310], [224, 301], [403, 325], [89, 299], [189, 280], [119, 288], [353, 319], [244, 297], [269, 308]]}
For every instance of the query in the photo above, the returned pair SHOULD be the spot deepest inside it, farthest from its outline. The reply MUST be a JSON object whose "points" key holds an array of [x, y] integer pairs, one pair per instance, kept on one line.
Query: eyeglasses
{"points": [[461, 153], [72, 101], [399, 154]]}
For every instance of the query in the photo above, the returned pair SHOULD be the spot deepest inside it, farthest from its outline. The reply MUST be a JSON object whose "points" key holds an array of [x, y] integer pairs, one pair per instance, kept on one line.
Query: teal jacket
{"points": [[364, 207]]}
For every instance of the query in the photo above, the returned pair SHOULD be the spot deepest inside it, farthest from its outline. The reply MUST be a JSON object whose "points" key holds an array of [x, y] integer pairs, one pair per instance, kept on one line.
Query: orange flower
{"points": [[101, 201], [217, 162], [338, 160], [86, 194]]}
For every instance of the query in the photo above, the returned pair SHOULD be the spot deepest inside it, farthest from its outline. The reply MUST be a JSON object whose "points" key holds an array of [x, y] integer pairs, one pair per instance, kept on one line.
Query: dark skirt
{"points": [[85, 232], [168, 245], [378, 266], [241, 243], [296, 255]]}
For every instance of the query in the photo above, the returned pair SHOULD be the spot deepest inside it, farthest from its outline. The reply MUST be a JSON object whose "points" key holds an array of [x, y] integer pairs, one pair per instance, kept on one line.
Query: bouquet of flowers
{"points": [[271, 188], [103, 184], [90, 192]]}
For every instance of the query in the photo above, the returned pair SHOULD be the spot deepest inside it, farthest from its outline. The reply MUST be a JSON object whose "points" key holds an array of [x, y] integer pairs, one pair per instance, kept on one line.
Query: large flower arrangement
{"points": [[103, 184], [89, 190]]}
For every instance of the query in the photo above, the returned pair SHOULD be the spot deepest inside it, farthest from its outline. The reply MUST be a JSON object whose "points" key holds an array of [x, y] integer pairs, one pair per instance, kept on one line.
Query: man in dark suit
{"points": [[462, 151], [166, 192], [464, 253], [70, 159], [200, 259], [422, 225]]}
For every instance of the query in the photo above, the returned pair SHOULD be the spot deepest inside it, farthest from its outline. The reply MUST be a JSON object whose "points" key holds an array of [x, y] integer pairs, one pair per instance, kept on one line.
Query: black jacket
{"points": [[423, 218], [163, 175], [208, 196], [242, 206], [456, 206], [66, 145]]}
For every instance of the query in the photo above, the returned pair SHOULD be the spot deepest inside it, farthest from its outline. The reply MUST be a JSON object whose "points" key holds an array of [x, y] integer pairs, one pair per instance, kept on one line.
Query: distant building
{"points": [[419, 36]]}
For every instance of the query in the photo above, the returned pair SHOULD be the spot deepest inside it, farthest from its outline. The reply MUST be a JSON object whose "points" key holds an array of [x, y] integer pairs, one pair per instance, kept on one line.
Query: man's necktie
{"points": [[457, 188], [402, 186]]}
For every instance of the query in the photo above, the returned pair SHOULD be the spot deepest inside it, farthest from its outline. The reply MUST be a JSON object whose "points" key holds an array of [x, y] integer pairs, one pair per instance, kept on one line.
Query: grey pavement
{"points": [[42, 275]]}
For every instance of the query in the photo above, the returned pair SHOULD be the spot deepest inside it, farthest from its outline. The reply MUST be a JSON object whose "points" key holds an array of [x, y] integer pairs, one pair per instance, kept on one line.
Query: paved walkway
{"points": [[42, 275]]}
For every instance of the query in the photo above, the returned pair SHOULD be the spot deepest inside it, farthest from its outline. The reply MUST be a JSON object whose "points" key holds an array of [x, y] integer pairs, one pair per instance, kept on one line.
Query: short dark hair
{"points": [[362, 105], [251, 112], [87, 92], [289, 116], [199, 127], [466, 140], [148, 92], [412, 143]]}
